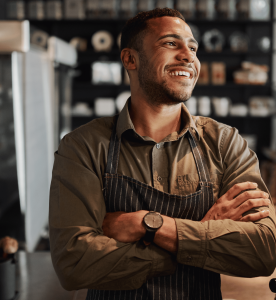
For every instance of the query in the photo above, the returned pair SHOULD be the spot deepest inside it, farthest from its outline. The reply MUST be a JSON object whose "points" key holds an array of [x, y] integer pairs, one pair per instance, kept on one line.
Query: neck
{"points": [[154, 121]]}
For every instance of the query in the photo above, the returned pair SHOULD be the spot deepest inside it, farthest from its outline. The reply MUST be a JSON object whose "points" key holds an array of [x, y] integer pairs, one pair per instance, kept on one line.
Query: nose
{"points": [[186, 55]]}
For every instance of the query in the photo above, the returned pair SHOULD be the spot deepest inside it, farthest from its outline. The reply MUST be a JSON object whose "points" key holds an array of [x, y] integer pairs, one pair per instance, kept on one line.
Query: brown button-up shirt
{"points": [[84, 258]]}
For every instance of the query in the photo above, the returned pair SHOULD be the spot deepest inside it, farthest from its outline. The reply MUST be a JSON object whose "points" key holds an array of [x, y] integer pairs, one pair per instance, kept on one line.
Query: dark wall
{"points": [[2, 9]]}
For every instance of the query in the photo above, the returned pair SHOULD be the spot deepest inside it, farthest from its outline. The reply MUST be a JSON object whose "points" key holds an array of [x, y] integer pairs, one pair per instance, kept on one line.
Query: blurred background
{"points": [[60, 68]]}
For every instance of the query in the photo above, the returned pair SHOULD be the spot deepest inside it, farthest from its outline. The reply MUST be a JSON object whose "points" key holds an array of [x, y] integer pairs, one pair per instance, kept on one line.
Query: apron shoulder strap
{"points": [[113, 152], [201, 164]]}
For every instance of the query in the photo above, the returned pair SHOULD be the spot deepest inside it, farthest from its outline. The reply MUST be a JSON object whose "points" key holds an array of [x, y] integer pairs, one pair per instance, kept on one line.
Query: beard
{"points": [[158, 93]]}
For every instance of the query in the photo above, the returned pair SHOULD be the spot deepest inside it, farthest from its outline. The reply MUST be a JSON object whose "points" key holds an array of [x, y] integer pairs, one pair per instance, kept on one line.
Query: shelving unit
{"points": [[85, 91]]}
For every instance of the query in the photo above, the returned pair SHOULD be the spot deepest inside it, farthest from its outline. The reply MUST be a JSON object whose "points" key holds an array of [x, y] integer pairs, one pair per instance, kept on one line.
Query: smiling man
{"points": [[155, 203]]}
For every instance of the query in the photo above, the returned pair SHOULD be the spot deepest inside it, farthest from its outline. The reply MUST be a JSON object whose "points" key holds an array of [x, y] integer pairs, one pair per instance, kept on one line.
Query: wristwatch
{"points": [[152, 221]]}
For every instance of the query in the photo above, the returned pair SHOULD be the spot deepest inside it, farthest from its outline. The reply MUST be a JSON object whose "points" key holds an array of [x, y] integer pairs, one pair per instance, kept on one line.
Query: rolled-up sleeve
{"points": [[82, 256], [245, 249]]}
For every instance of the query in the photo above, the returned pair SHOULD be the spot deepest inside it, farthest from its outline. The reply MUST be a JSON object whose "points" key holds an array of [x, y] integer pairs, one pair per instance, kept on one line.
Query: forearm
{"points": [[85, 259], [229, 247]]}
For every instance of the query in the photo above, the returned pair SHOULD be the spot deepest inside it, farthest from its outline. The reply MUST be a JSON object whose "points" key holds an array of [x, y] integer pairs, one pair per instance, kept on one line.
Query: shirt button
{"points": [[159, 178], [157, 146]]}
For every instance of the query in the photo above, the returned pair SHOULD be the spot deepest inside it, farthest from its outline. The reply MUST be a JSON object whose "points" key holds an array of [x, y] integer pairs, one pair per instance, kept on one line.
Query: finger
{"points": [[251, 203], [256, 216], [239, 187], [250, 195]]}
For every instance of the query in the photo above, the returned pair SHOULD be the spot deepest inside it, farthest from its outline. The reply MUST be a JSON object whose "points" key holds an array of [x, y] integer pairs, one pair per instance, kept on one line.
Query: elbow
{"points": [[268, 266], [68, 277], [263, 270], [72, 276], [70, 283], [67, 281], [266, 260], [269, 271]]}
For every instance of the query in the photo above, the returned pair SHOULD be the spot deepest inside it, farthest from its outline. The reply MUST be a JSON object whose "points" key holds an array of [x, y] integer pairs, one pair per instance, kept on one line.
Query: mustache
{"points": [[182, 65]]}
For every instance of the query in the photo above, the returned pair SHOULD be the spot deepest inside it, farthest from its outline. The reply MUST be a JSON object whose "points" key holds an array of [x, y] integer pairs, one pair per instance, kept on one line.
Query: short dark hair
{"points": [[131, 33]]}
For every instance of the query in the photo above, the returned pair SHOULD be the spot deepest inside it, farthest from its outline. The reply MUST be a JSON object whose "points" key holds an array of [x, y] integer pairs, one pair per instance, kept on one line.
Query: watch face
{"points": [[153, 220]]}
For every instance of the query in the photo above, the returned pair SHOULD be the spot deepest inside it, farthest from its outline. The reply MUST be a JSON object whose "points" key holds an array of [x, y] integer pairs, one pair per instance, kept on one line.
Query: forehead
{"points": [[165, 25]]}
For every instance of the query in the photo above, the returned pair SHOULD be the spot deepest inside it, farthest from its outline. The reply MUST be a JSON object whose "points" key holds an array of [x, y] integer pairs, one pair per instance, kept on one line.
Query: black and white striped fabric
{"points": [[123, 193]]}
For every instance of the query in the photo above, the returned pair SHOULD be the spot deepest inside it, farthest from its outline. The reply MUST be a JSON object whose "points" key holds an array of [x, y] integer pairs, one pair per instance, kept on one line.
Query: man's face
{"points": [[168, 67]]}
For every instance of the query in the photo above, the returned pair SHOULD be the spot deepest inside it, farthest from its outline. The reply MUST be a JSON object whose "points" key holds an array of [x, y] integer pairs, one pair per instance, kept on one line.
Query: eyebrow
{"points": [[179, 37]]}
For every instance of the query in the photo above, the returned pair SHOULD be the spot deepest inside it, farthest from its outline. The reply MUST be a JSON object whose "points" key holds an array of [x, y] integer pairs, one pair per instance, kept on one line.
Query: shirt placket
{"points": [[159, 167]]}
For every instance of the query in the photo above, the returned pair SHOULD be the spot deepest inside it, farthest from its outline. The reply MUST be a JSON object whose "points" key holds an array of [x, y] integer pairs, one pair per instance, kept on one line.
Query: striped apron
{"points": [[123, 193]]}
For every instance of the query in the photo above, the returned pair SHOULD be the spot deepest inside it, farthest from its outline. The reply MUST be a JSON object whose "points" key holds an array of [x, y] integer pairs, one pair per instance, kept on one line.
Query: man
{"points": [[155, 203]]}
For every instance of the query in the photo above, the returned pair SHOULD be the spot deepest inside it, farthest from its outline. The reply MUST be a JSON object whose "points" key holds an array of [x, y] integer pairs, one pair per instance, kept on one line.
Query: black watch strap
{"points": [[149, 236]]}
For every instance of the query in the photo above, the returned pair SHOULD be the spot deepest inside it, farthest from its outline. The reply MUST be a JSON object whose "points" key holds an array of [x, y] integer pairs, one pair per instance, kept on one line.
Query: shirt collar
{"points": [[124, 121]]}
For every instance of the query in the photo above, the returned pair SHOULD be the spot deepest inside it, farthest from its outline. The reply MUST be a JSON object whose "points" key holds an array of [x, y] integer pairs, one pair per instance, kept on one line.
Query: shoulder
{"points": [[216, 135], [88, 144], [210, 124], [96, 131], [89, 140], [212, 128]]}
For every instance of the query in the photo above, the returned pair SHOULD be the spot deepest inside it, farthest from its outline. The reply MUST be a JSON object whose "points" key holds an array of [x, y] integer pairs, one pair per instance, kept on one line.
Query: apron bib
{"points": [[123, 193]]}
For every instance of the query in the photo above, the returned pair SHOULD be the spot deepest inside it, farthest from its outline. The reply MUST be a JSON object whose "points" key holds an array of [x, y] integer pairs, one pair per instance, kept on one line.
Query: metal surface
{"points": [[14, 36], [37, 280], [18, 112], [34, 137]]}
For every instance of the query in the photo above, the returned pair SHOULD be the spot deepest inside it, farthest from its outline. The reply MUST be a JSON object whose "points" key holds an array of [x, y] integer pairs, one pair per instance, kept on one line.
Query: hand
{"points": [[232, 205], [125, 227]]}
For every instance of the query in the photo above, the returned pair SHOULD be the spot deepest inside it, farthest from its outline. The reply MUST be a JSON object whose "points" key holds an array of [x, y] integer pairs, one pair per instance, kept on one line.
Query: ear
{"points": [[129, 59]]}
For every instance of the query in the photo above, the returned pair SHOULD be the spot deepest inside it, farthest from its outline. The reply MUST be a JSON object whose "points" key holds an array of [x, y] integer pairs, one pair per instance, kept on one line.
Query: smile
{"points": [[180, 73]]}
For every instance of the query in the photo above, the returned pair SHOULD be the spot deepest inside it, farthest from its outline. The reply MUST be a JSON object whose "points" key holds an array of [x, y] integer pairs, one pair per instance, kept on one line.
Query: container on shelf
{"points": [[36, 10], [54, 10], [164, 3], [191, 104], [74, 9], [144, 5], [204, 106], [205, 9], [187, 8], [92, 9], [109, 9], [226, 9], [218, 71], [127, 8], [16, 10], [221, 106]]}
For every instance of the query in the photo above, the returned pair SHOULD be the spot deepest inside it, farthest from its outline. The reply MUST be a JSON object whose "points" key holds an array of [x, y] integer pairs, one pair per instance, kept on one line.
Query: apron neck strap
{"points": [[201, 164], [115, 145], [113, 152]]}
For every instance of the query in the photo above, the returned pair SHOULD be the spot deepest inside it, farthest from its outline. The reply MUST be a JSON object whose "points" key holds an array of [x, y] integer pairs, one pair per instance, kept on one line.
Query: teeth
{"points": [[180, 73]]}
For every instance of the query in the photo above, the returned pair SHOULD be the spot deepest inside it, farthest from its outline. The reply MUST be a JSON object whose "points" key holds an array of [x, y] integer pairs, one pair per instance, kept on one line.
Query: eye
{"points": [[194, 49], [170, 43]]}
